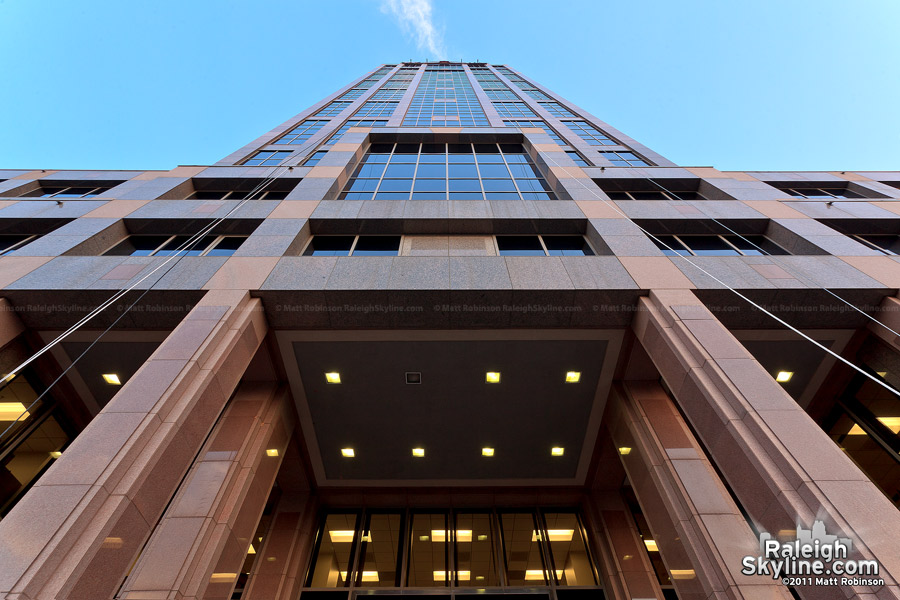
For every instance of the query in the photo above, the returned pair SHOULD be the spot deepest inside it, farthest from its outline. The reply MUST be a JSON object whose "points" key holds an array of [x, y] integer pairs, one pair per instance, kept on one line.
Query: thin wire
{"points": [[723, 284], [178, 254], [775, 260]]}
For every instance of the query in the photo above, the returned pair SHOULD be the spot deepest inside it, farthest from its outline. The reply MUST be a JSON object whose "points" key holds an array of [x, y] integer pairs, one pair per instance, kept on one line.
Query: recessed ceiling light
{"points": [[651, 545], [348, 452], [479, 578], [881, 374], [557, 451], [892, 423], [222, 577], [492, 377], [341, 536], [554, 535], [784, 376], [423, 538], [413, 377], [462, 535], [272, 452], [538, 575], [13, 411], [333, 377], [8, 377], [573, 376], [251, 550], [482, 537], [112, 379], [55, 454], [418, 452], [682, 573], [624, 450], [460, 575], [487, 451], [366, 575]]}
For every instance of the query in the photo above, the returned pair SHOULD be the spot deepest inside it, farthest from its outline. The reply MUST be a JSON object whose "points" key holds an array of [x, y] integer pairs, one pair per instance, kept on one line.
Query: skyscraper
{"points": [[444, 332]]}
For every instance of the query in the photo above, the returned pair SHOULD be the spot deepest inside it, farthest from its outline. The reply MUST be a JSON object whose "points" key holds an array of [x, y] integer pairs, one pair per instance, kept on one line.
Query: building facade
{"points": [[446, 333]]}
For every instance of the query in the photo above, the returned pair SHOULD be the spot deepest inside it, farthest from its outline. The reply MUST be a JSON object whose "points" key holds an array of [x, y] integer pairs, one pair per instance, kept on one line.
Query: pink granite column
{"points": [[700, 532], [198, 548], [79, 529], [781, 466]]}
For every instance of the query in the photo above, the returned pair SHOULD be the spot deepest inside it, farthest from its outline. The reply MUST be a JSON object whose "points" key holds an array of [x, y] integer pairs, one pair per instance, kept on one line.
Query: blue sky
{"points": [[764, 85]]}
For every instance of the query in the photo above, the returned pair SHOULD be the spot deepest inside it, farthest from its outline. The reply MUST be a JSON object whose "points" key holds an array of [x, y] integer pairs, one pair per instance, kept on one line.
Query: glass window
{"points": [[522, 550], [568, 550], [33, 455], [428, 558], [11, 242], [567, 245], [333, 108], [476, 563], [589, 133], [334, 551], [577, 158], [315, 158], [380, 551], [169, 245], [377, 245], [464, 170], [718, 245], [670, 245], [268, 158], [226, 245], [557, 110], [329, 245], [708, 245], [301, 132], [519, 245], [886, 244], [624, 159]]}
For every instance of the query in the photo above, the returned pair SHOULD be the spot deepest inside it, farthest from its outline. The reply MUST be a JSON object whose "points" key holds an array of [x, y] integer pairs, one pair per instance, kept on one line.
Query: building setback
{"points": [[445, 333]]}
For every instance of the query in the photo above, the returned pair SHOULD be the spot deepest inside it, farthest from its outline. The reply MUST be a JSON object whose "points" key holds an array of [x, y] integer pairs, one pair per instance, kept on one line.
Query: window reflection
{"points": [[34, 454], [428, 551], [380, 551], [568, 549], [522, 550], [334, 552], [475, 546]]}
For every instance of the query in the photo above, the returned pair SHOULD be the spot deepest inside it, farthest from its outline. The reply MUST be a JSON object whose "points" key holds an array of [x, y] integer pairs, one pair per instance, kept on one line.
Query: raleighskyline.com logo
{"points": [[813, 558]]}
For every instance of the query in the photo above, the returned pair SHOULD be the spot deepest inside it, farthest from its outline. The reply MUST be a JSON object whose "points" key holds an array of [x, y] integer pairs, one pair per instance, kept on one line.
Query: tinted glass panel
{"points": [[334, 552], [227, 246], [380, 551], [665, 242], [428, 551], [756, 245], [329, 245], [475, 556], [522, 550], [567, 245], [138, 245], [708, 245], [570, 557], [519, 245], [377, 245]]}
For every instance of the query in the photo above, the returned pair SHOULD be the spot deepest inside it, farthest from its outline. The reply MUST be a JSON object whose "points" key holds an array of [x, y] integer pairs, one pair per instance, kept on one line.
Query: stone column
{"points": [[781, 466], [79, 529], [697, 527], [198, 548]]}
